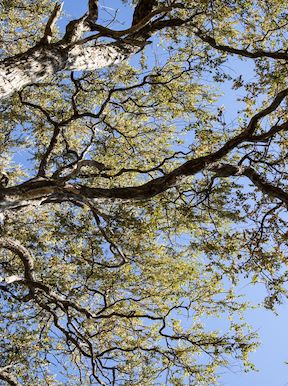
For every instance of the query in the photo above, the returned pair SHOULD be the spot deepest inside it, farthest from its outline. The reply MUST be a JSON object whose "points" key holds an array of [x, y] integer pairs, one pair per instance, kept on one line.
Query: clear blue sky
{"points": [[272, 353]]}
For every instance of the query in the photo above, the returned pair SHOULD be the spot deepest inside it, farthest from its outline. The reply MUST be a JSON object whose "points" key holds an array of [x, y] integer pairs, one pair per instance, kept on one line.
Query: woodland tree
{"points": [[131, 202]]}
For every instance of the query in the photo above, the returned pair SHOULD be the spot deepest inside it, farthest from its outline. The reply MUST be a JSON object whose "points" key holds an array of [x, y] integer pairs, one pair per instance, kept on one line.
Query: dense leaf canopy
{"points": [[143, 175]]}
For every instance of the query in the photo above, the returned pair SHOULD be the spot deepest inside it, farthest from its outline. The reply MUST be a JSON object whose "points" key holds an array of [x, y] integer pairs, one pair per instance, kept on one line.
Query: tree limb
{"points": [[43, 189], [23, 253], [238, 51], [8, 377], [51, 23], [228, 170]]}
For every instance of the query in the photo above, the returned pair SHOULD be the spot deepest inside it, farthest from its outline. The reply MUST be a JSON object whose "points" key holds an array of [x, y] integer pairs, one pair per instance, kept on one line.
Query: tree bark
{"points": [[7, 377], [41, 61]]}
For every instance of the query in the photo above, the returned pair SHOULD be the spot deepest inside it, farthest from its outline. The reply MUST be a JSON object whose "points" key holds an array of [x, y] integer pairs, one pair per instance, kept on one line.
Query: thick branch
{"points": [[136, 29], [70, 53], [142, 9], [8, 377], [47, 190], [35, 65], [23, 253], [11, 279], [93, 10], [265, 186], [227, 170], [51, 23]]}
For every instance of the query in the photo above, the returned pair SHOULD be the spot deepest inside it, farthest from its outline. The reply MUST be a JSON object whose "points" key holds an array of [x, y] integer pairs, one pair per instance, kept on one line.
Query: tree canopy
{"points": [[143, 175]]}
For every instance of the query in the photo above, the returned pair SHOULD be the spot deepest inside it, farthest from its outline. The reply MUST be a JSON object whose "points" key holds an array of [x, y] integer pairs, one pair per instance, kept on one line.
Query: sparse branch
{"points": [[239, 51], [47, 154], [117, 252]]}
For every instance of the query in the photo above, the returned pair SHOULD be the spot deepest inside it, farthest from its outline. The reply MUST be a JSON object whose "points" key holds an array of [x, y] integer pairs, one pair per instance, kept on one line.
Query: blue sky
{"points": [[270, 357], [272, 329]]}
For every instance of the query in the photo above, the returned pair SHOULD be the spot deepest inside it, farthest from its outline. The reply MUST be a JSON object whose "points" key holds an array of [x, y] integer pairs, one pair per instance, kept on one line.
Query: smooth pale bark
{"points": [[36, 64]]}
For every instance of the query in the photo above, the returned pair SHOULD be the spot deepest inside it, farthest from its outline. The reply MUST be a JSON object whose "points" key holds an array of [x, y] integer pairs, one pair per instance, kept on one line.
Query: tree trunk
{"points": [[36, 64]]}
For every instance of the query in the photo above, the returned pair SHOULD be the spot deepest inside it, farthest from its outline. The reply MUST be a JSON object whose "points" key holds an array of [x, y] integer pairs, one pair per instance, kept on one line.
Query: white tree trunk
{"points": [[32, 66], [90, 58], [36, 64]]}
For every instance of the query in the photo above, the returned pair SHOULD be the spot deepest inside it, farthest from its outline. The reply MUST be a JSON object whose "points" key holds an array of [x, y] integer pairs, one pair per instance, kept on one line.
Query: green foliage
{"points": [[124, 291]]}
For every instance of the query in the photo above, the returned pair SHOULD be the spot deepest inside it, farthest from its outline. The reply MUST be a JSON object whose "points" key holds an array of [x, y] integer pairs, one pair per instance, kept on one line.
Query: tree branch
{"points": [[142, 9], [7, 377], [228, 170], [93, 10], [23, 253], [45, 189], [266, 187], [51, 23], [238, 51]]}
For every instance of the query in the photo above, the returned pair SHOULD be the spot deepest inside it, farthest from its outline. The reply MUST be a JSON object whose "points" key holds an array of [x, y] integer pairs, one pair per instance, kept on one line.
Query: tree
{"points": [[139, 206]]}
